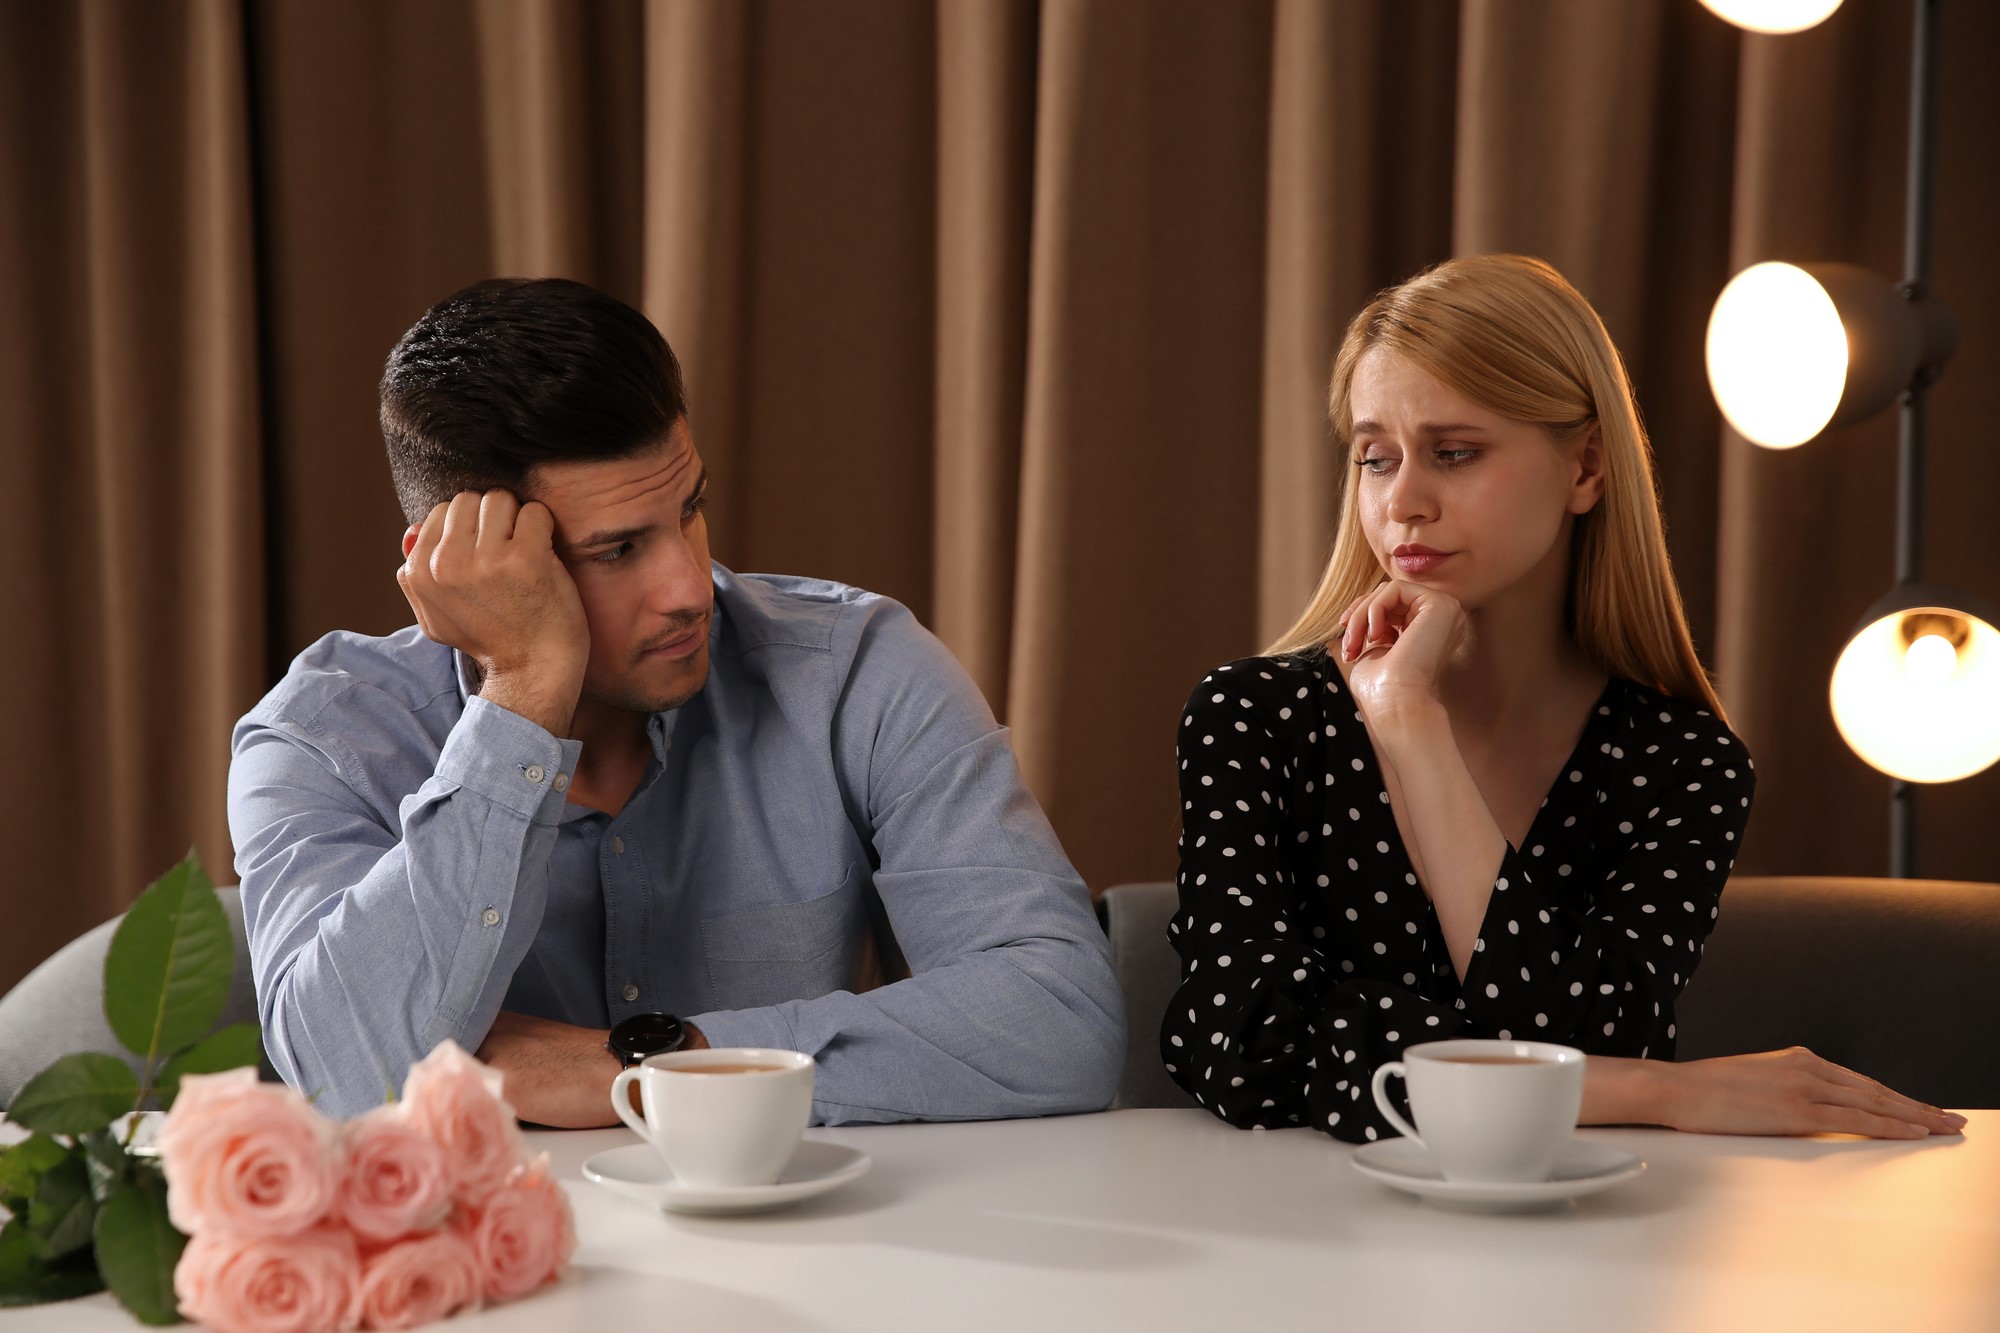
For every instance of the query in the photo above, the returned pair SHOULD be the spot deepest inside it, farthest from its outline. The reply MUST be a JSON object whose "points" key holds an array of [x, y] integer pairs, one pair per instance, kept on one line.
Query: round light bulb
{"points": [[1775, 16], [1921, 707], [1930, 660], [1777, 355]]}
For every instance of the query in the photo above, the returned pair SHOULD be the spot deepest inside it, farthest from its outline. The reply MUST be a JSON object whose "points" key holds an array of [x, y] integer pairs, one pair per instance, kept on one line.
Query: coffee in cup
{"points": [[1491, 1112], [724, 1117]]}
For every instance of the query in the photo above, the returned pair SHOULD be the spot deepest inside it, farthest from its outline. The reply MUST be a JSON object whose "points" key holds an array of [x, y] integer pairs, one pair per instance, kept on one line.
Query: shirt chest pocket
{"points": [[788, 951]]}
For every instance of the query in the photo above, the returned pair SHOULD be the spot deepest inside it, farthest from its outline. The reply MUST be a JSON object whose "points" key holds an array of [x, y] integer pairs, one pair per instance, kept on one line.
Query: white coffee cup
{"points": [[723, 1117], [1492, 1112]]}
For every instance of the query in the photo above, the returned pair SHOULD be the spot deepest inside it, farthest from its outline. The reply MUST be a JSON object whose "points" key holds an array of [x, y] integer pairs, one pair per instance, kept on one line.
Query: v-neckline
{"points": [[1578, 760]]}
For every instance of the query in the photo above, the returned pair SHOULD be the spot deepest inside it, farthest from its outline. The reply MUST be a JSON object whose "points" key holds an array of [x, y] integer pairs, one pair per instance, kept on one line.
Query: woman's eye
{"points": [[1456, 457], [1379, 466]]}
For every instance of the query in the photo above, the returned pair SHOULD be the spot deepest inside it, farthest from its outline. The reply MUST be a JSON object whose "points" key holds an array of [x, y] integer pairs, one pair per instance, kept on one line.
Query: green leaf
{"points": [[25, 1282], [232, 1047], [109, 1166], [137, 1248], [17, 1268], [22, 1165], [59, 1219], [166, 975], [78, 1094]]}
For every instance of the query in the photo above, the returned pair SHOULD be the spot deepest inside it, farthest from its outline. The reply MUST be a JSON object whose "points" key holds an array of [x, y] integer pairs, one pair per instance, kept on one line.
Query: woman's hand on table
{"points": [[1774, 1092]]}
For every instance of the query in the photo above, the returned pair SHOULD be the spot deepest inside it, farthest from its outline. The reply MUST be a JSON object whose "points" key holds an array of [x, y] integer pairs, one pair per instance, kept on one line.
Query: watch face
{"points": [[645, 1034]]}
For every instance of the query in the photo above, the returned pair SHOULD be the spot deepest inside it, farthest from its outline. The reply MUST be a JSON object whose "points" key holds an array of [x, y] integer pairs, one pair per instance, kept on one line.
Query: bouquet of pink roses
{"points": [[403, 1216]]}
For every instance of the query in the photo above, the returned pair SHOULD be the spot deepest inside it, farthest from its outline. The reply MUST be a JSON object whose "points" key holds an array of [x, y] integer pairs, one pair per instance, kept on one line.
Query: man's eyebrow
{"points": [[611, 537], [619, 536]]}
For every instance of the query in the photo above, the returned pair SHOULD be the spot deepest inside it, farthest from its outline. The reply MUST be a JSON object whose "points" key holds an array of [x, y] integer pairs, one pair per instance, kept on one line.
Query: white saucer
{"points": [[638, 1172], [1582, 1168]]}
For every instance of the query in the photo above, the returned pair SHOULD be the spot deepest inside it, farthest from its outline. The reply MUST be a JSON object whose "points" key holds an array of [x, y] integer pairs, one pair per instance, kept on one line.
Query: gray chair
{"points": [[58, 1008], [1135, 916], [1893, 978]]}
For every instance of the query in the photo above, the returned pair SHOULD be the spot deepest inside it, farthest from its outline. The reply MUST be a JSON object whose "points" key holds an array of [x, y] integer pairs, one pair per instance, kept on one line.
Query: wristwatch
{"points": [[646, 1034]]}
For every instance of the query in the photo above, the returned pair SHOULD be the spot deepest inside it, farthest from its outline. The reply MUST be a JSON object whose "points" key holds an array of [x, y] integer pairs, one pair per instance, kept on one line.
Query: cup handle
{"points": [[621, 1101], [1403, 1127]]}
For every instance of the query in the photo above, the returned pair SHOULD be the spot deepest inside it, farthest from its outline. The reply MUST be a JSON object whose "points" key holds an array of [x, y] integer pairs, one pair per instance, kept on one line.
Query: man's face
{"points": [[632, 534]]}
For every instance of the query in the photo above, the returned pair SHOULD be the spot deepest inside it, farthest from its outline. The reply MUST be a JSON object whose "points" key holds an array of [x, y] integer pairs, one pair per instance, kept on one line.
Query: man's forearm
{"points": [[558, 1074], [1034, 1028], [370, 951]]}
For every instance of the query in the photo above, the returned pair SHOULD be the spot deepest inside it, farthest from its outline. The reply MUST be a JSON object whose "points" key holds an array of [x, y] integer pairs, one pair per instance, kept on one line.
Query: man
{"points": [[608, 798]]}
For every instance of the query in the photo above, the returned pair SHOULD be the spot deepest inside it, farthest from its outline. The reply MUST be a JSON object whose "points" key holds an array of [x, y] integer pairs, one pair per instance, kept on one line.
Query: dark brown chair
{"points": [[1894, 978], [1898, 979]]}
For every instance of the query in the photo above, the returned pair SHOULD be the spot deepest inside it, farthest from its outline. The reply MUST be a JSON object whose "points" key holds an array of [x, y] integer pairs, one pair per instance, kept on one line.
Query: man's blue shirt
{"points": [[410, 867]]}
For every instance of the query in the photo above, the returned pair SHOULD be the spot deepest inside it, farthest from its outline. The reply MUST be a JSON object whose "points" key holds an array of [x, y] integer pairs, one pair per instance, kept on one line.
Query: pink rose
{"points": [[456, 1101], [396, 1181], [271, 1284], [419, 1281], [524, 1235], [245, 1156]]}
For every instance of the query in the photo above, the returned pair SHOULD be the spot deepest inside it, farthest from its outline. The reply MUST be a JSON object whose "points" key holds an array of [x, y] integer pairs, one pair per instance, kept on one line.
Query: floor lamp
{"points": [[1796, 349]]}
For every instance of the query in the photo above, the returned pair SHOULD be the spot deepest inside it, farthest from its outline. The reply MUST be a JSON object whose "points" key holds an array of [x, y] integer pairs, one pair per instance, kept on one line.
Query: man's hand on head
{"points": [[482, 575]]}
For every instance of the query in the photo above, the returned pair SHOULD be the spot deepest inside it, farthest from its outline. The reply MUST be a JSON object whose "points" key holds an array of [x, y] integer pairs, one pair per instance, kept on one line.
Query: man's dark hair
{"points": [[513, 372]]}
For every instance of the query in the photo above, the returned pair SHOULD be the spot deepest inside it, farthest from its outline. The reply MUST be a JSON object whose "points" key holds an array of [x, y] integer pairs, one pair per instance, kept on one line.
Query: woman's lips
{"points": [[1420, 562]]}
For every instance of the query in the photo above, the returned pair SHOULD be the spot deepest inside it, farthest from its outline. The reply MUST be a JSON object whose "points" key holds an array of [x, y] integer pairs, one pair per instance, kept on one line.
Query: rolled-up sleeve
{"points": [[378, 931]]}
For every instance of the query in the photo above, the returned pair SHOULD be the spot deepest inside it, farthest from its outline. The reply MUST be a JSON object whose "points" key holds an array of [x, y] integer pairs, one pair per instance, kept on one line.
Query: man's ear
{"points": [[1587, 488], [410, 538]]}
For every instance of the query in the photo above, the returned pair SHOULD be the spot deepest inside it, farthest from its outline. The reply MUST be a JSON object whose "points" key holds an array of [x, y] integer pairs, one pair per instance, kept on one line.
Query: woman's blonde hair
{"points": [[1510, 334]]}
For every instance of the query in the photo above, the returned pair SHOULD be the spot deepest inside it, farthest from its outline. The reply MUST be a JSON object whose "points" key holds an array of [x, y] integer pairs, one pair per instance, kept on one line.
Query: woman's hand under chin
{"points": [[1396, 640]]}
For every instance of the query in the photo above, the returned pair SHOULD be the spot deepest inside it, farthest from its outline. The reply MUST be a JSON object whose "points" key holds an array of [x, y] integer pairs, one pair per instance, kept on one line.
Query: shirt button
{"points": [[491, 916], [617, 846], [533, 773], [562, 782], [631, 992]]}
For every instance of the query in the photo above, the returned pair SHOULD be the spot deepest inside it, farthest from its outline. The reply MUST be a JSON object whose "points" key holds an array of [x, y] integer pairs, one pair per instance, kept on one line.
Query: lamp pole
{"points": [[1913, 419]]}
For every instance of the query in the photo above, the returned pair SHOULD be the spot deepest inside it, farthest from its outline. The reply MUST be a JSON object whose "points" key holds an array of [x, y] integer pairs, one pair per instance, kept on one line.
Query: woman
{"points": [[1483, 787]]}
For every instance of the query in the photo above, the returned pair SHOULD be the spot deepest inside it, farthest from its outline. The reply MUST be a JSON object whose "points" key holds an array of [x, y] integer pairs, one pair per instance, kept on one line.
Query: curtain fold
{"points": [[1018, 310], [695, 105], [1139, 477], [985, 149], [1356, 200], [128, 406]]}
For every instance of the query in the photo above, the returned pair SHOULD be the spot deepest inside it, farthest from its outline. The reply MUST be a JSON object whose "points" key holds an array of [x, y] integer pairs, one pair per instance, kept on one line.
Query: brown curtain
{"points": [[131, 525], [1019, 312]]}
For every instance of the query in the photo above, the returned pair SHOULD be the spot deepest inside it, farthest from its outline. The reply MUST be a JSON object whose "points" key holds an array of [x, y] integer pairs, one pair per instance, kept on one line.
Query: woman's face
{"points": [[1456, 497]]}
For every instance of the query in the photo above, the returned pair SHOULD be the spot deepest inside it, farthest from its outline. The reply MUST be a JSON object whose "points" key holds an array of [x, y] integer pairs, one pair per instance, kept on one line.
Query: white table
{"points": [[1167, 1220]]}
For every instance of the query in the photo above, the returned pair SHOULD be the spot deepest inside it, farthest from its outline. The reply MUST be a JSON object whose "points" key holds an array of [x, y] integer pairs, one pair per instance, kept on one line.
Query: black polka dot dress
{"points": [[1310, 954]]}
